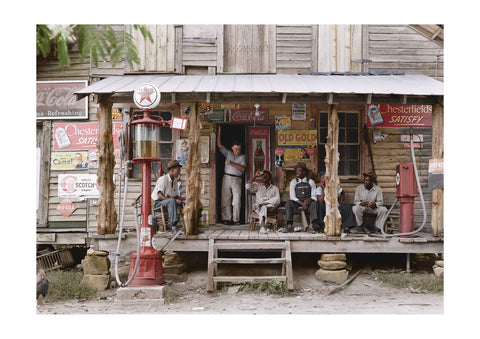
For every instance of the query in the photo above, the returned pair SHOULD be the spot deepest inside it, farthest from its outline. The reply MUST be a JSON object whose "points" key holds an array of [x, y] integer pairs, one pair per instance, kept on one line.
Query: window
{"points": [[348, 143]]}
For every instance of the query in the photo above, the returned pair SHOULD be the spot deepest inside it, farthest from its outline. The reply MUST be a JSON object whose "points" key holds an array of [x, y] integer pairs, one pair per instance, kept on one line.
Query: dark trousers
{"points": [[291, 206], [348, 219]]}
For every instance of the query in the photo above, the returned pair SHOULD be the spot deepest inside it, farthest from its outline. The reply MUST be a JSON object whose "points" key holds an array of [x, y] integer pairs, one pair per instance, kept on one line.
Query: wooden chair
{"points": [[271, 218], [161, 218]]}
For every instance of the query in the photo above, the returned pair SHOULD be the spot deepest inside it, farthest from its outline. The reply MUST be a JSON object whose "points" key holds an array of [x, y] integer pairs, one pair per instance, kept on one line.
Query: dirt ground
{"points": [[310, 297]]}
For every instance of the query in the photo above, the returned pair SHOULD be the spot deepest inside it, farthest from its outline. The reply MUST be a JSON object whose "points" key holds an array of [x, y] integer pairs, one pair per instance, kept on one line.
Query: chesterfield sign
{"points": [[56, 100]]}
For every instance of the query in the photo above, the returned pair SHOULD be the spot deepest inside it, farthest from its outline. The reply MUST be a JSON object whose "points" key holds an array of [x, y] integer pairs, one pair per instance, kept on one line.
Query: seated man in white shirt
{"points": [[303, 194], [369, 197], [166, 194], [267, 195]]}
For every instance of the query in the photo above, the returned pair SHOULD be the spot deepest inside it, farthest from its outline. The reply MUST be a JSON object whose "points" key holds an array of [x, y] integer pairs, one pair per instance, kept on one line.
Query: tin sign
{"points": [[78, 185], [66, 207], [146, 96], [399, 116], [56, 100]]}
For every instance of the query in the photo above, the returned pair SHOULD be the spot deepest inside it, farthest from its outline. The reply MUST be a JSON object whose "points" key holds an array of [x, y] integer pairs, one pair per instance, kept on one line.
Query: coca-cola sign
{"points": [[56, 100], [247, 115]]}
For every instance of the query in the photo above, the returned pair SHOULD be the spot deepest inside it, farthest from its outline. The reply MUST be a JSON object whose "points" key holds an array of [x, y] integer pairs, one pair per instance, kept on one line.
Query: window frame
{"points": [[321, 143]]}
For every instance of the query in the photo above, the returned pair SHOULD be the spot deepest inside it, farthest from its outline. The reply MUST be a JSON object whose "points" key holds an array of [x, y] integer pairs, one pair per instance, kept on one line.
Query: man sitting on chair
{"points": [[166, 194], [302, 194], [267, 195]]}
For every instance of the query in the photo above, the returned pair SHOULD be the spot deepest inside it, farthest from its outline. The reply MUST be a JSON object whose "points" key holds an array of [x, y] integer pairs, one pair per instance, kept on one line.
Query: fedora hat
{"points": [[301, 164], [172, 164], [371, 175]]}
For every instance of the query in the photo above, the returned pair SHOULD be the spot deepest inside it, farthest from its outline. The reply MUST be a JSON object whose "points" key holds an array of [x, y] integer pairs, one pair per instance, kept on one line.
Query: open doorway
{"points": [[230, 132]]}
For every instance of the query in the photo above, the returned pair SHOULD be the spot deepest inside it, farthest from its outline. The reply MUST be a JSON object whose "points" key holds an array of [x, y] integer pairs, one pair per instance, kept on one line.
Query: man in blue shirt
{"points": [[348, 219]]}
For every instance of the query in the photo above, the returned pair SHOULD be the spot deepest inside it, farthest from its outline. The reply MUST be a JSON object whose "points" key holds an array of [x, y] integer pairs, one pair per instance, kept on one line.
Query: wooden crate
{"points": [[57, 259]]}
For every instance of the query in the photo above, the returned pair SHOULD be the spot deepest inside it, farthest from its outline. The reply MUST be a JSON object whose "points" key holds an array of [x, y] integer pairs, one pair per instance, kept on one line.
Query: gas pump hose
{"points": [[412, 154], [117, 254]]}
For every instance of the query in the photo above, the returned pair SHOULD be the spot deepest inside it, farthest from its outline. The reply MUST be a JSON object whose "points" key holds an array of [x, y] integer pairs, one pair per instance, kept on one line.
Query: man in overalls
{"points": [[303, 194]]}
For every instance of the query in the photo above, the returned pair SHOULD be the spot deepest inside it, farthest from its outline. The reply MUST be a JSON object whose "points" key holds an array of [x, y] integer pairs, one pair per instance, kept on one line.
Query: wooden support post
{"points": [[106, 214], [333, 219], [437, 153], [193, 206]]}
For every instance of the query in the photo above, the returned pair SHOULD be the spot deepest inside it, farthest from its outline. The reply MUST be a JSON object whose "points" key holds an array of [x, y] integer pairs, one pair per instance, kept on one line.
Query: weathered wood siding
{"points": [[296, 49], [249, 49], [400, 47], [338, 46], [158, 56]]}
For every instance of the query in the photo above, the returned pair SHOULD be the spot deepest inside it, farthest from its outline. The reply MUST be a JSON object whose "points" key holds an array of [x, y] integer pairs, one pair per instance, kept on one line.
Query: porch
{"points": [[302, 241]]}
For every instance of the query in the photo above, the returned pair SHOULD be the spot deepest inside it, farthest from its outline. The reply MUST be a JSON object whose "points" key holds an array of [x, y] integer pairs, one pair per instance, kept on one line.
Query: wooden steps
{"points": [[214, 259]]}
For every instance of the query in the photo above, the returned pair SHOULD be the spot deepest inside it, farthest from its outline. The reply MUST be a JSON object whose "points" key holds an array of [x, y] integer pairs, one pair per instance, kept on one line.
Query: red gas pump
{"points": [[406, 193], [146, 138]]}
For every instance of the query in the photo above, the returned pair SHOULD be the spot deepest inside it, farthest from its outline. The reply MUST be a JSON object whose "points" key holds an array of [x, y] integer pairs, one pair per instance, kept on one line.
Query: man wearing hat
{"points": [[303, 194], [267, 195], [166, 194], [369, 197]]}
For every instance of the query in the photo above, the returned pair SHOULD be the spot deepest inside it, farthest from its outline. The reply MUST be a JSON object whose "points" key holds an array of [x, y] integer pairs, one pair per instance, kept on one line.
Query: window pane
{"points": [[165, 151], [323, 135], [341, 118], [165, 134], [351, 119], [323, 119], [341, 135], [352, 135]]}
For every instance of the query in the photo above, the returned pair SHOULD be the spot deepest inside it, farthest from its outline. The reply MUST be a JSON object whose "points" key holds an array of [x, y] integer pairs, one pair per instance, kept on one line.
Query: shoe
{"points": [[289, 229], [262, 230], [298, 229], [376, 230], [310, 230], [236, 223], [347, 230], [364, 229], [227, 222], [175, 230]]}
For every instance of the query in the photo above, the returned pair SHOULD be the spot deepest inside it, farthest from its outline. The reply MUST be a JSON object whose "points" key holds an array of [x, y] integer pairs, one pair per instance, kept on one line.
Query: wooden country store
{"points": [[323, 118]]}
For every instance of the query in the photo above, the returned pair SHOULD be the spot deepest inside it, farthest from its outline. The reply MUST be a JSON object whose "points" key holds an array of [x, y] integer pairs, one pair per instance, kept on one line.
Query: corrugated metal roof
{"points": [[285, 83]]}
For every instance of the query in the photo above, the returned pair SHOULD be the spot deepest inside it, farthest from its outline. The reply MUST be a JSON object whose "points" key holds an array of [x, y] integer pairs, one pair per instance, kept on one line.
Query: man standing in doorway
{"points": [[235, 165]]}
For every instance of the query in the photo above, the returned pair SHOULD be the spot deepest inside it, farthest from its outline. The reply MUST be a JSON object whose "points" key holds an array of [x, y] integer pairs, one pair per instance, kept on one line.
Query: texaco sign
{"points": [[146, 96]]}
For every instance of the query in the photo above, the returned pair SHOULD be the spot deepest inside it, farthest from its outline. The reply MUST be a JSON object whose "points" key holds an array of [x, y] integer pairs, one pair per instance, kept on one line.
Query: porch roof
{"points": [[318, 88]]}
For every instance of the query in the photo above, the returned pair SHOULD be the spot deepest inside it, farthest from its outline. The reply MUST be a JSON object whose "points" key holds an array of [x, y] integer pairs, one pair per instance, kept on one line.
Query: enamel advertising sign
{"points": [[56, 100], [399, 116]]}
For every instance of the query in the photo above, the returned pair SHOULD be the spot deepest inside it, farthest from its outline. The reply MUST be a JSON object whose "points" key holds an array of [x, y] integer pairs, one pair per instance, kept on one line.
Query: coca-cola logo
{"points": [[246, 115], [59, 95]]}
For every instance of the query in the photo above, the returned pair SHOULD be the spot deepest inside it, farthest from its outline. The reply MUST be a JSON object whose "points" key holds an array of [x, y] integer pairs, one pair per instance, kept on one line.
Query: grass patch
{"points": [[424, 282], [271, 287], [65, 285], [171, 295]]}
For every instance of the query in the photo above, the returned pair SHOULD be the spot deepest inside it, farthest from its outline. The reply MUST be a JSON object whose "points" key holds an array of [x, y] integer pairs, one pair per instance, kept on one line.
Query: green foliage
{"points": [[94, 41], [271, 287], [65, 285], [424, 282]]}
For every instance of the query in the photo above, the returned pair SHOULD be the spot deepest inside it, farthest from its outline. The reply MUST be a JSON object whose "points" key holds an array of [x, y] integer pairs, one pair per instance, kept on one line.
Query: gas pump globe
{"points": [[146, 137]]}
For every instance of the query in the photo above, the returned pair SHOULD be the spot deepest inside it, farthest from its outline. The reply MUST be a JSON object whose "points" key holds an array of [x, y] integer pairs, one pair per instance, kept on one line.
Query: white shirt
{"points": [[294, 182], [270, 195], [166, 186]]}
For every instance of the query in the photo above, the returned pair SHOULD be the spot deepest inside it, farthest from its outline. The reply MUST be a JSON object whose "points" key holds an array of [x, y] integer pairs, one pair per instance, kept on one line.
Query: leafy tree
{"points": [[94, 41]]}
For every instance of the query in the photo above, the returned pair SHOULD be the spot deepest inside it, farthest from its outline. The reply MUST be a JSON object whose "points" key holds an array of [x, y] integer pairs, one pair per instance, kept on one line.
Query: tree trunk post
{"points": [[106, 213], [437, 153], [193, 206], [333, 219]]}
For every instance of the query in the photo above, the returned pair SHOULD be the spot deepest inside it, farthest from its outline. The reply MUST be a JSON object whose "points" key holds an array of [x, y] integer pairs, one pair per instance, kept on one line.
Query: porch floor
{"points": [[303, 242]]}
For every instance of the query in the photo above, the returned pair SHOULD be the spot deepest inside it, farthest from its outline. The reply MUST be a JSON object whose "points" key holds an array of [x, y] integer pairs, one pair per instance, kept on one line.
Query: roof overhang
{"points": [[288, 88]]}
